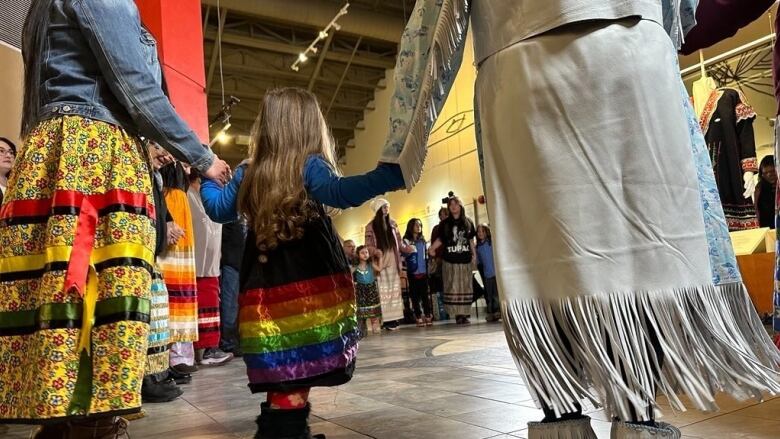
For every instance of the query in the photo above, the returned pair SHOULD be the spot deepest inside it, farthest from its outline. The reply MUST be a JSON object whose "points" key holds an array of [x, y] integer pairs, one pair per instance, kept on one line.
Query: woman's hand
{"points": [[219, 171], [175, 233]]}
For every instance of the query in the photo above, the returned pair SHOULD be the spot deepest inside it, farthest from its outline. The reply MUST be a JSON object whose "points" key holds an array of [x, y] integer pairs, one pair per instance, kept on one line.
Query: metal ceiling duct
{"points": [[317, 14]]}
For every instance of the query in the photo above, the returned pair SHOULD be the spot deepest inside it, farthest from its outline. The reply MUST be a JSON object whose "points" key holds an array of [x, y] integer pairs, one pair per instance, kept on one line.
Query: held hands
{"points": [[750, 184], [219, 171], [175, 233]]}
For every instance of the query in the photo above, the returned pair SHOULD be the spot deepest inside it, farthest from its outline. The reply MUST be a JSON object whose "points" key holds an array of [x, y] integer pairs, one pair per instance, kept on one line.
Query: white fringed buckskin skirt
{"points": [[603, 263]]}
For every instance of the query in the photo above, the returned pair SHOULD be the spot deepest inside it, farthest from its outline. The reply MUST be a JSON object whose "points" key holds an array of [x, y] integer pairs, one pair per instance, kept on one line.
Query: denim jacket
{"points": [[100, 63]]}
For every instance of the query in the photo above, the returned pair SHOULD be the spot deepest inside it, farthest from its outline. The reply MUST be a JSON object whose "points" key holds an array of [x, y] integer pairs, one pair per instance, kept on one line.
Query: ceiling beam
{"points": [[272, 46], [316, 14], [334, 125], [320, 59], [215, 49], [253, 100], [297, 77]]}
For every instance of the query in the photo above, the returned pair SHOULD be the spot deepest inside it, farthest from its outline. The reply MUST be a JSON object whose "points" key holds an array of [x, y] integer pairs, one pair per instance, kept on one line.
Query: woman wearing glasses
{"points": [[7, 156]]}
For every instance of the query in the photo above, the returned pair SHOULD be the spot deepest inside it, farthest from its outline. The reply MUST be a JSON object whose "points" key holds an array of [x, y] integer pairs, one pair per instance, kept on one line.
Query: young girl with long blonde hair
{"points": [[297, 319]]}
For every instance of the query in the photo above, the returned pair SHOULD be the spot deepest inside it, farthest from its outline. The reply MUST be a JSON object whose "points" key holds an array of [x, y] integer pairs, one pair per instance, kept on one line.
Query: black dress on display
{"points": [[727, 123]]}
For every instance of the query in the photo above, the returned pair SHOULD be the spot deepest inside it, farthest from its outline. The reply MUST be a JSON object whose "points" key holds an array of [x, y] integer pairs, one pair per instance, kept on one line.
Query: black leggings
{"points": [[549, 414], [418, 291]]}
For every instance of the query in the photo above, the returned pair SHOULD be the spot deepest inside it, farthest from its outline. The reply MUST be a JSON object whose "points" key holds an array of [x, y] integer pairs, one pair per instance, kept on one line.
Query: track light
{"points": [[321, 35]]}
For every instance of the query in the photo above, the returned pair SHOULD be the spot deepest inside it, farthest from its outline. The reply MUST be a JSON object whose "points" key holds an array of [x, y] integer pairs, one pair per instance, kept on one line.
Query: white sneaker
{"points": [[213, 357]]}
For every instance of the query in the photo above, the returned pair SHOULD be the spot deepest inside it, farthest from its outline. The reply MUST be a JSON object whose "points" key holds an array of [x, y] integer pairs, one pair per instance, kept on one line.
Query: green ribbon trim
{"points": [[320, 334], [72, 311], [82, 393]]}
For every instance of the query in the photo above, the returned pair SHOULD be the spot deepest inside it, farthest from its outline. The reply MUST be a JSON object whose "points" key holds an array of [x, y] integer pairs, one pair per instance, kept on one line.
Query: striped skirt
{"points": [[208, 313], [77, 242], [159, 337], [301, 334], [458, 288], [178, 269]]}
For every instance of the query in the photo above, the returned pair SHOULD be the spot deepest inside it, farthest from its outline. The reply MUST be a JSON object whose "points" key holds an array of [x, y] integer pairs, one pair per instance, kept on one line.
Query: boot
{"points": [[51, 431], [101, 428], [156, 391], [661, 430], [571, 429], [284, 424]]}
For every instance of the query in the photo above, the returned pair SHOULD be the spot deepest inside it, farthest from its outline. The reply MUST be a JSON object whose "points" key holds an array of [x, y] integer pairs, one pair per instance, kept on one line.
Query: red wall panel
{"points": [[177, 26]]}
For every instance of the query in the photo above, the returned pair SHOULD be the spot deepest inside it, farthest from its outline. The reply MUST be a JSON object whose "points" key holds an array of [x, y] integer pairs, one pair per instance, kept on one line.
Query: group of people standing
{"points": [[445, 265]]}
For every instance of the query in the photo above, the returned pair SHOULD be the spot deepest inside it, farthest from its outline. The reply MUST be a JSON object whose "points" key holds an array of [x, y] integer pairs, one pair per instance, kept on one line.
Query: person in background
{"points": [[208, 252], [488, 271], [765, 192], [7, 157], [369, 307], [434, 267], [349, 250], [382, 235], [297, 320], [459, 258], [157, 385], [92, 87], [177, 263], [233, 239], [417, 271]]}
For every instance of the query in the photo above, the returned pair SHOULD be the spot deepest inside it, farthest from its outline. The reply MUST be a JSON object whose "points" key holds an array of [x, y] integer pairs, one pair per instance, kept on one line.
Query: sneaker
{"points": [[236, 351], [429, 321], [185, 369], [420, 323], [153, 391], [212, 357]]}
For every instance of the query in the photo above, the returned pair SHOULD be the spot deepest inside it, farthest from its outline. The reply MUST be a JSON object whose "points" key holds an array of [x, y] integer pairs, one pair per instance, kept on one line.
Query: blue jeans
{"points": [[228, 309]]}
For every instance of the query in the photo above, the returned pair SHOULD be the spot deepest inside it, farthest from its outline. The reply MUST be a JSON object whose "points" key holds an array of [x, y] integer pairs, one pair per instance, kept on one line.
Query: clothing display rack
{"points": [[748, 66]]}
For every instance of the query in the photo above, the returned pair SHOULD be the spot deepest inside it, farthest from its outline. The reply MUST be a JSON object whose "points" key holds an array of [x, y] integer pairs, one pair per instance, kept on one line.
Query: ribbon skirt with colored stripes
{"points": [[77, 244], [299, 335]]}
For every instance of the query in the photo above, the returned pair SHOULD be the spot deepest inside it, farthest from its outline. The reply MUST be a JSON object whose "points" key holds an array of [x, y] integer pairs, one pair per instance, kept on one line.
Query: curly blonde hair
{"points": [[289, 128]]}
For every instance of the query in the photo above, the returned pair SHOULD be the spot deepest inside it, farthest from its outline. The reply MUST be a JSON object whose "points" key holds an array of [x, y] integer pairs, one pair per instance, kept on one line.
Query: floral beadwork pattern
{"points": [[43, 375]]}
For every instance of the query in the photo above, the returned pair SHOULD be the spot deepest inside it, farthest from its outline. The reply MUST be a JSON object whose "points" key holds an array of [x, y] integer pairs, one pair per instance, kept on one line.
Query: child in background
{"points": [[485, 260], [417, 271], [368, 305], [297, 321]]}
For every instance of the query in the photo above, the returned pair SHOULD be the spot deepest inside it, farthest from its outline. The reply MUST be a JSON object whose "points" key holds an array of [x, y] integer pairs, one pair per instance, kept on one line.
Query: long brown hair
{"points": [[383, 231], [289, 128]]}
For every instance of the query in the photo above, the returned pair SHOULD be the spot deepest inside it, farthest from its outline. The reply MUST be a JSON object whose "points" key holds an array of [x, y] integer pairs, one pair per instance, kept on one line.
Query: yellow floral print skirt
{"points": [[77, 244]]}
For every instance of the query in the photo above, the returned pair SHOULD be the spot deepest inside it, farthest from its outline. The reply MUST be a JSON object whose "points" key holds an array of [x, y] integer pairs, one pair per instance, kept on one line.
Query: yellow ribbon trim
{"points": [[62, 253], [88, 315]]}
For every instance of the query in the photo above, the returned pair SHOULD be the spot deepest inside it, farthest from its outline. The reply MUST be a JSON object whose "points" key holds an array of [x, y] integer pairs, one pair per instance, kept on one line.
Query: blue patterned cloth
{"points": [[429, 58], [722, 259], [679, 18]]}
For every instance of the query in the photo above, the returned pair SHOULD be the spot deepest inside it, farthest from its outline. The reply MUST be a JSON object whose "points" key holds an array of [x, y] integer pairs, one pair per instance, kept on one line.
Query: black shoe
{"points": [[185, 369], [153, 391], [284, 424], [178, 377]]}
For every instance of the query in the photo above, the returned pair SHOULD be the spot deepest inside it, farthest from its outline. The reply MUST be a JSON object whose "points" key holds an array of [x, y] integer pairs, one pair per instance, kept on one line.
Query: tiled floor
{"points": [[441, 382]]}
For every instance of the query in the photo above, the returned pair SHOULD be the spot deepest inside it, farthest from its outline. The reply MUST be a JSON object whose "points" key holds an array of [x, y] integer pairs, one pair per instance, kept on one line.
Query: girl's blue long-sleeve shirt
{"points": [[322, 184]]}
